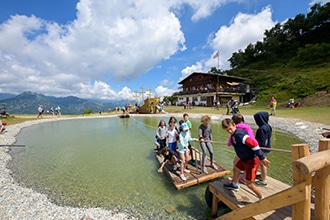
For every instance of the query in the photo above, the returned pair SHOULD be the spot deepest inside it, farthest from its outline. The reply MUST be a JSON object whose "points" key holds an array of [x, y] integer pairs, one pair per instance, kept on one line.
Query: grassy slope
{"points": [[313, 114], [285, 81]]}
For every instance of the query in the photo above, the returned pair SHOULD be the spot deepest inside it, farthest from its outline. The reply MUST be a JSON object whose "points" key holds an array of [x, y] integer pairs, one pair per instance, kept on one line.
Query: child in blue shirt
{"points": [[183, 149]]}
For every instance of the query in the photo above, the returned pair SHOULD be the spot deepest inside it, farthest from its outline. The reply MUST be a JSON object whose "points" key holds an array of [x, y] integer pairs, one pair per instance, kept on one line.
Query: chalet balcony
{"points": [[222, 91]]}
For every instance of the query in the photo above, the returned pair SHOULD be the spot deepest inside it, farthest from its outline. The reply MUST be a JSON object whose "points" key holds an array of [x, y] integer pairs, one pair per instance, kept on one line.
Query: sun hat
{"points": [[184, 126]]}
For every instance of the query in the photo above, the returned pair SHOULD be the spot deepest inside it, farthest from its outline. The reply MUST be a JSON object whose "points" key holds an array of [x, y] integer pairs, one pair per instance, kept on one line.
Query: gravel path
{"points": [[17, 202]]}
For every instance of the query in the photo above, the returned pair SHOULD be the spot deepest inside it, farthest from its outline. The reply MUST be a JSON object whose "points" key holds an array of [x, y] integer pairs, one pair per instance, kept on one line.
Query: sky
{"points": [[113, 50]]}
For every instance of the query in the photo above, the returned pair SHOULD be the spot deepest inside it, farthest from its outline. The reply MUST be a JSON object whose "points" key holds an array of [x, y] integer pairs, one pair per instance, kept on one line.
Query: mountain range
{"points": [[28, 103]]}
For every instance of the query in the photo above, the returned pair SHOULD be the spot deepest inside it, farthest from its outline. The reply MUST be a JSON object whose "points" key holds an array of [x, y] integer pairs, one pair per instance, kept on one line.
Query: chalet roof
{"points": [[221, 77]]}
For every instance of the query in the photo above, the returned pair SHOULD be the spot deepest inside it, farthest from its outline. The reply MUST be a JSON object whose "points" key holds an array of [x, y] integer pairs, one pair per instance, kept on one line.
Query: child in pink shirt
{"points": [[240, 123]]}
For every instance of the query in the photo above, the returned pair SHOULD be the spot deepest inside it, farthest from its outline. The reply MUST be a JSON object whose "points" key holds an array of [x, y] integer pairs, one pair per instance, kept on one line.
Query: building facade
{"points": [[207, 89]]}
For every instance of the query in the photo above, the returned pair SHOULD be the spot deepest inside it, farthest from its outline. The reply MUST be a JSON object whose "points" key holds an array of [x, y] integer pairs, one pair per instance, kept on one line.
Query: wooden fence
{"points": [[308, 171]]}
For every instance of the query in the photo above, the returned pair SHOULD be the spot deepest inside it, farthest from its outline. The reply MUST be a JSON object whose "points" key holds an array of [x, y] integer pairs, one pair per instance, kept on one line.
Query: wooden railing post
{"points": [[322, 186], [301, 210]]}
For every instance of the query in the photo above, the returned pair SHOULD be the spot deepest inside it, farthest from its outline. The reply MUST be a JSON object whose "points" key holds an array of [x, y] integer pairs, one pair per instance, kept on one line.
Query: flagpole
{"points": [[218, 78], [218, 60]]}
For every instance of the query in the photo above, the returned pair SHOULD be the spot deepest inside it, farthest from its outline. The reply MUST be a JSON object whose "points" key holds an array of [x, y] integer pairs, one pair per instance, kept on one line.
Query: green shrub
{"points": [[88, 111]]}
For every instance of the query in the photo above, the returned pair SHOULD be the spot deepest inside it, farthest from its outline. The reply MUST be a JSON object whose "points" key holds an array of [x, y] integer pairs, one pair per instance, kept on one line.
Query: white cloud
{"points": [[122, 40], [243, 30], [198, 67], [163, 91], [322, 2], [201, 8]]}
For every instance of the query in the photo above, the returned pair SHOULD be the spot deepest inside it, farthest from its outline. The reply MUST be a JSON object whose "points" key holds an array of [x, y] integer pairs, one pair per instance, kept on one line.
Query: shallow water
{"points": [[108, 162]]}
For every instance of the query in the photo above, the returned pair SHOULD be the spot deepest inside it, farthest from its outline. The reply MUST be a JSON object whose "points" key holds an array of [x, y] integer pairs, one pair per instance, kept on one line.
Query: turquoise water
{"points": [[109, 163]]}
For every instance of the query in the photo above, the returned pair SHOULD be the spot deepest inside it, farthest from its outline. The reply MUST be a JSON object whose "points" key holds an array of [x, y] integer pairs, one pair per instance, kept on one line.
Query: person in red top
{"points": [[2, 126]]}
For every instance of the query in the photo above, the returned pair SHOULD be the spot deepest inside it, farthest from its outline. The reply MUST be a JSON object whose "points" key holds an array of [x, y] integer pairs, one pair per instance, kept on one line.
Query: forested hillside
{"points": [[293, 58]]}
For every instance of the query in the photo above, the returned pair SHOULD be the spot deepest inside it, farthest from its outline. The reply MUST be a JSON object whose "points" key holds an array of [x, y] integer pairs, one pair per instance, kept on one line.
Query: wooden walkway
{"points": [[245, 196], [195, 176]]}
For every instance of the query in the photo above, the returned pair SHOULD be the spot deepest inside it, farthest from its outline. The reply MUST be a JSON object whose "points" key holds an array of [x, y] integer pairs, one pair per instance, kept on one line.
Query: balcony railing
{"points": [[222, 91]]}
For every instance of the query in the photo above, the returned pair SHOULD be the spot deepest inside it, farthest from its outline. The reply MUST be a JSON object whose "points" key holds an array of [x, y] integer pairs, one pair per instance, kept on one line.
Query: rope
{"points": [[225, 143], [144, 123], [262, 148], [12, 145], [277, 150]]}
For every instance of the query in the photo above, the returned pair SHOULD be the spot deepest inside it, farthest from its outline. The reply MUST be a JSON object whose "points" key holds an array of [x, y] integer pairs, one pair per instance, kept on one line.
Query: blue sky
{"points": [[110, 49]]}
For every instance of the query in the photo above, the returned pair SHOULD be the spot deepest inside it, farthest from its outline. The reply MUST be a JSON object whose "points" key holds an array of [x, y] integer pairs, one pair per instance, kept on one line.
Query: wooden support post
{"points": [[301, 210], [214, 211], [322, 186]]}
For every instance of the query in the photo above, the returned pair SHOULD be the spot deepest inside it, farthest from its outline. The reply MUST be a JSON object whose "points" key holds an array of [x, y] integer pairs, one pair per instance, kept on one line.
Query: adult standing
{"points": [[272, 106], [228, 105], [40, 111], [2, 126], [52, 110], [58, 110]]}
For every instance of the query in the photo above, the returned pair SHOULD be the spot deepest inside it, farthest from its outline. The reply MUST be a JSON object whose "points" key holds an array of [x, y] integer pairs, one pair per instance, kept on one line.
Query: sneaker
{"points": [[261, 183], [204, 170], [175, 167], [242, 180], [231, 186], [183, 177], [214, 166], [186, 171]]}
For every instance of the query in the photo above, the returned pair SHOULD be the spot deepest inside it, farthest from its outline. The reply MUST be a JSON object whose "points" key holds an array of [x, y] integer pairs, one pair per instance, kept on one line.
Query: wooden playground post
{"points": [[301, 210], [322, 186], [320, 164]]}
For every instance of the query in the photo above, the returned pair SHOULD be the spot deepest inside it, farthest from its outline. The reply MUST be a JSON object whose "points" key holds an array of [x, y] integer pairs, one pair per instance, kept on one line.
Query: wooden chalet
{"points": [[206, 89]]}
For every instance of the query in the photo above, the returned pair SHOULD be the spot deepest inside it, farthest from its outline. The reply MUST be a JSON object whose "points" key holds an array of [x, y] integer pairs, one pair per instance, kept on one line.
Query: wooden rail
{"points": [[299, 195]]}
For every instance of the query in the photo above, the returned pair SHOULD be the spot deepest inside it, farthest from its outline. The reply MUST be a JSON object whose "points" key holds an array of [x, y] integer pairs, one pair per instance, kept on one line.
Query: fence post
{"points": [[301, 210], [322, 186]]}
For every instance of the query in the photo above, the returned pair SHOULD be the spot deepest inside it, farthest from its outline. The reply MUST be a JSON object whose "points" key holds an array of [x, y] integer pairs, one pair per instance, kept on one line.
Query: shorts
{"points": [[161, 142], [172, 146], [250, 167]]}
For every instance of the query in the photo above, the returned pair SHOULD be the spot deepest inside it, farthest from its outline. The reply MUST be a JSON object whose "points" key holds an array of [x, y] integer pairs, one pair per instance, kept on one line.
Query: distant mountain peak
{"points": [[28, 102]]}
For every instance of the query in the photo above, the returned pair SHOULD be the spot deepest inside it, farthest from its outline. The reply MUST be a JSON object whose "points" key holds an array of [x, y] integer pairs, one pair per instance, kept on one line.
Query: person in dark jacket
{"points": [[264, 137]]}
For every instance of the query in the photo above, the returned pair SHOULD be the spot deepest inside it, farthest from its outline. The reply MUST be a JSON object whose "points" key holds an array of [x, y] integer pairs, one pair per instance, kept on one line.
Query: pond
{"points": [[109, 163]]}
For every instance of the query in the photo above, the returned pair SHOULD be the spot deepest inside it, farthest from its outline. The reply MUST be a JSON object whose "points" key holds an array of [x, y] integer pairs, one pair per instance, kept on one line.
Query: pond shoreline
{"points": [[17, 202]]}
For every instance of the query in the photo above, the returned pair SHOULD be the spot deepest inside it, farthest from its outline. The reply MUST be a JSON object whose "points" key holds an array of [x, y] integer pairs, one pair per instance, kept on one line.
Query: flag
{"points": [[216, 55]]}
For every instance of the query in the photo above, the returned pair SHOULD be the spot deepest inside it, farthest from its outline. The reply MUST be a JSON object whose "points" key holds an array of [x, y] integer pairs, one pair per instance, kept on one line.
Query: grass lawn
{"points": [[313, 114]]}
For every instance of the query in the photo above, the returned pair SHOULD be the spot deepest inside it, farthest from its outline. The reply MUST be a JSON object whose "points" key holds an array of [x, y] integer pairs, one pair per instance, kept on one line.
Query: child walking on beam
{"points": [[250, 156]]}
